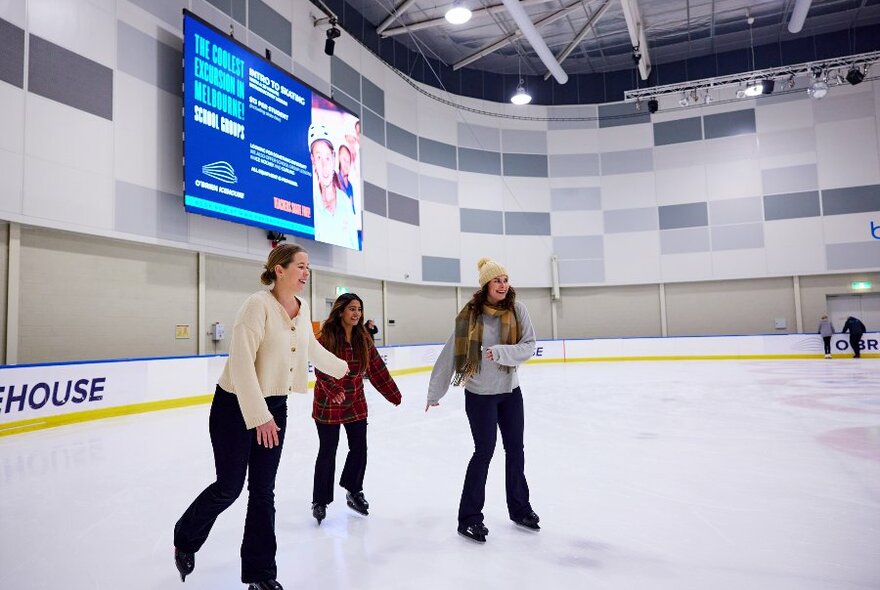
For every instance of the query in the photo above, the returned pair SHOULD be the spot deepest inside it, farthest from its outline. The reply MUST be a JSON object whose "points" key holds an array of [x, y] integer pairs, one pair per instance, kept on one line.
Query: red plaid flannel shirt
{"points": [[354, 406]]}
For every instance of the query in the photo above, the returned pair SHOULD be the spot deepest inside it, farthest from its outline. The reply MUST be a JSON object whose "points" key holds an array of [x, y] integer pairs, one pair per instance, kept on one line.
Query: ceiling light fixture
{"points": [[855, 76], [818, 89], [521, 97], [458, 14], [683, 101]]}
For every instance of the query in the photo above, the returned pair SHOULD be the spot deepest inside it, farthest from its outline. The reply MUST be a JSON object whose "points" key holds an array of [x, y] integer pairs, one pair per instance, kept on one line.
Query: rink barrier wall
{"points": [[34, 397]]}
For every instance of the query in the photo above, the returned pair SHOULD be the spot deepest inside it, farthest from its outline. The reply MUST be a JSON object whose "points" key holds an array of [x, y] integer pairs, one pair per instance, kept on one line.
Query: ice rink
{"points": [[647, 475]]}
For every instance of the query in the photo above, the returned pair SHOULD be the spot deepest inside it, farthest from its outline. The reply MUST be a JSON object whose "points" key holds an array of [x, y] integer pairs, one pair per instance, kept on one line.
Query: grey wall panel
{"points": [[853, 199], [375, 199], [567, 165], [11, 54], [148, 212], [518, 223], [270, 25], [791, 179], [738, 237], [579, 117], [588, 198], [470, 160], [441, 270], [438, 153], [234, 8], [843, 107], [479, 137], [680, 131], [169, 11], [686, 215], [520, 141], [576, 272], [403, 208], [402, 141], [727, 124], [744, 210], [684, 241], [623, 113], [403, 181], [346, 78], [525, 165], [482, 221], [373, 126], [373, 97], [629, 220], [69, 78], [855, 255], [579, 247], [791, 206], [345, 100], [147, 59], [438, 190], [627, 161]]}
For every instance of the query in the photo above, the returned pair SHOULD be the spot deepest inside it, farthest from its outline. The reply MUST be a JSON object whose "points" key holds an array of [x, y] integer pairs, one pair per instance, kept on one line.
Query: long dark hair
{"points": [[333, 333], [481, 298]]}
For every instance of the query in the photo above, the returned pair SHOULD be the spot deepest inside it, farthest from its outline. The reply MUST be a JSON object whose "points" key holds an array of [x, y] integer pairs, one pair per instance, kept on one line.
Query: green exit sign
{"points": [[860, 285], [344, 290]]}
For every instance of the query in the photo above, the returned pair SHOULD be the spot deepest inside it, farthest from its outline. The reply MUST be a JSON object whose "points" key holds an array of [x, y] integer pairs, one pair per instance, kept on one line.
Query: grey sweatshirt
{"points": [[492, 377], [826, 328]]}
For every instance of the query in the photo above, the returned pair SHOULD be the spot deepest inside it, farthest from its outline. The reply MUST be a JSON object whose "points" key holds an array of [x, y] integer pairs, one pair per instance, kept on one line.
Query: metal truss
{"points": [[817, 69]]}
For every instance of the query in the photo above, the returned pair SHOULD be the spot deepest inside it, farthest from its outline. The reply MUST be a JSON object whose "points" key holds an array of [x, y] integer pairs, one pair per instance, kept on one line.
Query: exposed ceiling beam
{"points": [[436, 22], [515, 36], [580, 36], [394, 14], [637, 37]]}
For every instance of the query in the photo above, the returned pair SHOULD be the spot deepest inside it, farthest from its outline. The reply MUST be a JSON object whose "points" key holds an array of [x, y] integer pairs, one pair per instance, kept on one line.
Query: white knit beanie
{"points": [[489, 269]]}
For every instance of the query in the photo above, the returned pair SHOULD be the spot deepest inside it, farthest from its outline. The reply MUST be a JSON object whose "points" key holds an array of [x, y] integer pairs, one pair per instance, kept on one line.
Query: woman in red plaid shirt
{"points": [[343, 333]]}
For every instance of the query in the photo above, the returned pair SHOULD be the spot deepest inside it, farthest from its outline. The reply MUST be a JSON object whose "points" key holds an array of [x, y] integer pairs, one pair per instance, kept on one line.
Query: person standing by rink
{"points": [[826, 330], [344, 333], [856, 328], [272, 343], [493, 335]]}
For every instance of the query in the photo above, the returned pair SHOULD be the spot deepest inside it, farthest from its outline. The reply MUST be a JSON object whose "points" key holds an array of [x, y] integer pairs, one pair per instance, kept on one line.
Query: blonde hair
{"points": [[281, 254]]}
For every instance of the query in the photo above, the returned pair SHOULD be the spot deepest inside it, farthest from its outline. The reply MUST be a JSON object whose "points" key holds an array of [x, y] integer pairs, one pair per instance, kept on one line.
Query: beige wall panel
{"points": [[609, 312], [730, 307], [815, 289], [538, 303], [228, 282], [86, 298], [4, 271], [421, 314]]}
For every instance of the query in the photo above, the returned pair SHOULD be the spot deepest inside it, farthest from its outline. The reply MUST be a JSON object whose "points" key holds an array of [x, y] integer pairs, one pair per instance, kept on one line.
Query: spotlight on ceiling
{"points": [[708, 99], [740, 92], [653, 106], [333, 33], [683, 101], [521, 97], [855, 76], [818, 89], [767, 86], [458, 14], [753, 89]]}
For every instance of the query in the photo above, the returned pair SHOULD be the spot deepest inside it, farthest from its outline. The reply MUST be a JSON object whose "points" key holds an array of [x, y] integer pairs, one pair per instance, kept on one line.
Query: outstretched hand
{"points": [[267, 434], [489, 354]]}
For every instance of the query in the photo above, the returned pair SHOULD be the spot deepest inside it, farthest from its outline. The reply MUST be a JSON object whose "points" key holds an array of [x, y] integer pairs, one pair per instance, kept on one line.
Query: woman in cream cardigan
{"points": [[272, 342]]}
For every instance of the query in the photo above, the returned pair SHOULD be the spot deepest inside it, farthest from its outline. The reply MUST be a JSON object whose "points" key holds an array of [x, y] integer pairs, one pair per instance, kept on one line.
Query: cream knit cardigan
{"points": [[269, 355]]}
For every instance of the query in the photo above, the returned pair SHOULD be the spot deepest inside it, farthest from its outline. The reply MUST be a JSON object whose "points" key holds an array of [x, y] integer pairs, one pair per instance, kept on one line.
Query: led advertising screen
{"points": [[264, 149]]}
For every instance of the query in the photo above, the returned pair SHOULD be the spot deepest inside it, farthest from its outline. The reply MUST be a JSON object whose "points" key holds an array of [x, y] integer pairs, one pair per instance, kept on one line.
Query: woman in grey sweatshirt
{"points": [[493, 335], [826, 330]]}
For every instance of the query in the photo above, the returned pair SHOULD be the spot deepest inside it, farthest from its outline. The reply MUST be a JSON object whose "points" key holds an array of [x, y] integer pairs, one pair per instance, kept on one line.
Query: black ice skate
{"points": [[319, 511], [475, 532], [357, 502], [267, 585], [529, 521], [185, 562]]}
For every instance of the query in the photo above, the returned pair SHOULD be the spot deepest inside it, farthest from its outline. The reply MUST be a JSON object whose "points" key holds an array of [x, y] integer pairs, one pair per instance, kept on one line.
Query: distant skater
{"points": [[272, 343], [493, 335], [826, 330], [344, 333], [856, 328]]}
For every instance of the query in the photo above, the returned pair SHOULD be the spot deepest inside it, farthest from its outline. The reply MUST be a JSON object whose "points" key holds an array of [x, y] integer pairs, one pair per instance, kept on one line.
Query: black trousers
{"points": [[487, 414], [236, 455], [854, 341], [826, 340], [352, 478]]}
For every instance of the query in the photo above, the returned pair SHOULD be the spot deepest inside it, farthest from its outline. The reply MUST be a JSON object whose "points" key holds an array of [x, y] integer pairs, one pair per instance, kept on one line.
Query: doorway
{"points": [[865, 306]]}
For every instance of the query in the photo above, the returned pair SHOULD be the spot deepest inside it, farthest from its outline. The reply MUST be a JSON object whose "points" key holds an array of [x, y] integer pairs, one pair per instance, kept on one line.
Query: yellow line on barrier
{"points": [[32, 424]]}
